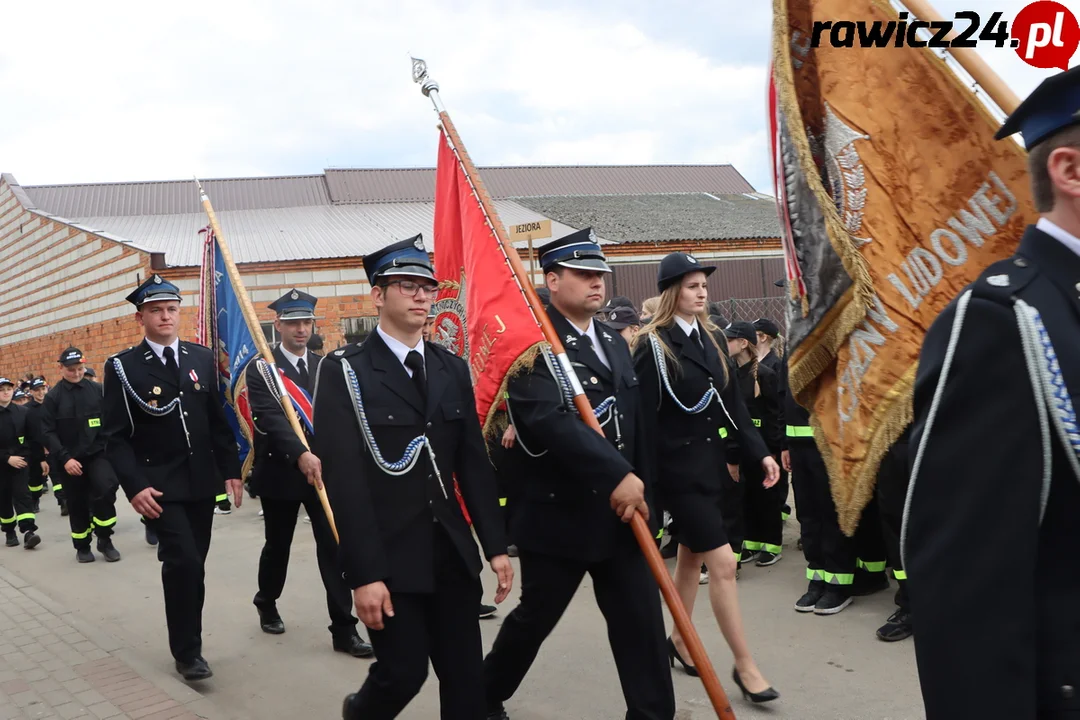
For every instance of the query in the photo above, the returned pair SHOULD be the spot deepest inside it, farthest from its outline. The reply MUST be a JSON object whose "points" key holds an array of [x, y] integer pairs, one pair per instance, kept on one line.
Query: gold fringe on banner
{"points": [[524, 363]]}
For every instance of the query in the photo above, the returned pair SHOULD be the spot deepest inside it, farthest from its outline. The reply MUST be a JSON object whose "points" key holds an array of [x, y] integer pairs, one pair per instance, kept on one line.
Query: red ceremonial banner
{"points": [[481, 314]]}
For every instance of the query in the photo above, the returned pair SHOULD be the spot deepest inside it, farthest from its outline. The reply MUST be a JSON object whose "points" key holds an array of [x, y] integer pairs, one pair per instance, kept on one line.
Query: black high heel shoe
{"points": [[674, 655], [767, 695]]}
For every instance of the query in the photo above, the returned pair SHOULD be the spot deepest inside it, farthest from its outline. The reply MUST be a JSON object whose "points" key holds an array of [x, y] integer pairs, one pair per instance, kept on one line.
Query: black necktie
{"points": [[415, 362], [696, 338], [170, 361], [304, 377]]}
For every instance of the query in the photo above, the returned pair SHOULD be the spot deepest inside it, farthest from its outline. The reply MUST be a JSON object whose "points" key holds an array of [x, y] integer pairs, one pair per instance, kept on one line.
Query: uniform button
{"points": [[708, 439], [1077, 287], [1020, 262], [389, 417], [594, 492], [181, 393], [1067, 692], [429, 426], [710, 379], [551, 496], [430, 477], [185, 414]]}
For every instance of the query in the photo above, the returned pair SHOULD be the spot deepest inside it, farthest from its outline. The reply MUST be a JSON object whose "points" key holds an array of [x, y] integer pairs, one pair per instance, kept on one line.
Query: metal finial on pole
{"points": [[427, 84]]}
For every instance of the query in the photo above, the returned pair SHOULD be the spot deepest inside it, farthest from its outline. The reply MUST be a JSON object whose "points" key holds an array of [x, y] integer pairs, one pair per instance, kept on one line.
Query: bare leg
{"points": [[725, 604], [687, 572]]}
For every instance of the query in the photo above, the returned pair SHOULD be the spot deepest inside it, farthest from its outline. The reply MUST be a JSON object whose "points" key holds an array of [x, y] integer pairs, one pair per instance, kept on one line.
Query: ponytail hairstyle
{"points": [[778, 345]]}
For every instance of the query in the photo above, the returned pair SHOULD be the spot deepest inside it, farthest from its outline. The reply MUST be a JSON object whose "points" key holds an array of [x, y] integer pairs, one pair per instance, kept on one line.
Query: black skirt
{"points": [[700, 519]]}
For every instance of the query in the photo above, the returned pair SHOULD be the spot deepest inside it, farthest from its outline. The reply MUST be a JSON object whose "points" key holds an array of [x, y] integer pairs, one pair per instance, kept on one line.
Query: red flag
{"points": [[481, 315]]}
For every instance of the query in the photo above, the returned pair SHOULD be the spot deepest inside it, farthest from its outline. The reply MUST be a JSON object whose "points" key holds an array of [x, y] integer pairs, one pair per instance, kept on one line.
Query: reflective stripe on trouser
{"points": [[758, 546], [98, 522], [25, 516], [57, 486], [800, 431], [7, 521], [222, 497], [830, 578], [37, 488], [81, 535], [870, 566], [899, 574]]}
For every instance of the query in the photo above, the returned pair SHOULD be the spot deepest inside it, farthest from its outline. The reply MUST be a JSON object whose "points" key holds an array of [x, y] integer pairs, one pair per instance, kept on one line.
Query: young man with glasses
{"points": [[395, 426]]}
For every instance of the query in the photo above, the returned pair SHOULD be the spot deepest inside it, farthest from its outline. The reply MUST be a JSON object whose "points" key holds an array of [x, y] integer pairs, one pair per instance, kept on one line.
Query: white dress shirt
{"points": [[597, 347], [689, 328], [1065, 238], [294, 359], [160, 349], [400, 349]]}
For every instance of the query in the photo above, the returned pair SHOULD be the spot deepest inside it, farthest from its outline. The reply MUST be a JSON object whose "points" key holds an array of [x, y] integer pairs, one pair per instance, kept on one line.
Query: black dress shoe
{"points": [[31, 540], [271, 622], [767, 695], [499, 714], [353, 645], [63, 508], [85, 555], [151, 536], [197, 669], [349, 710], [12, 540]]}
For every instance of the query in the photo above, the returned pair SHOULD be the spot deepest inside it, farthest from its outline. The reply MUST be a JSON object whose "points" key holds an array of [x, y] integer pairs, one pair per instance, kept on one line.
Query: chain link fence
{"points": [[750, 309]]}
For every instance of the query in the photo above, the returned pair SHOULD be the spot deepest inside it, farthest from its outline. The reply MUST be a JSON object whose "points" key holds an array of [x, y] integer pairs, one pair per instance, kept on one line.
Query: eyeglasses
{"points": [[410, 288]]}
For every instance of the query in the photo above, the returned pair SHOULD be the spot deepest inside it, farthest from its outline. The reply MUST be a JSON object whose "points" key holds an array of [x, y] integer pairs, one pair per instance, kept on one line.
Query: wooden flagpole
{"points": [[263, 347], [971, 61], [640, 528]]}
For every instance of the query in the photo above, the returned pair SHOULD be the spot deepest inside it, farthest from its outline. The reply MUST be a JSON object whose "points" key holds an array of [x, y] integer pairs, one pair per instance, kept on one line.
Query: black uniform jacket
{"points": [[13, 437], [993, 592], [71, 421], [277, 448], [565, 506], [148, 451], [688, 447], [765, 409], [34, 437], [387, 522]]}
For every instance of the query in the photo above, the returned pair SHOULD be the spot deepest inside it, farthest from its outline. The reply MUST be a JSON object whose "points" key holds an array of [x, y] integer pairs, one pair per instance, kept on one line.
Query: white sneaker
{"points": [[260, 513], [307, 519], [219, 511], [703, 578]]}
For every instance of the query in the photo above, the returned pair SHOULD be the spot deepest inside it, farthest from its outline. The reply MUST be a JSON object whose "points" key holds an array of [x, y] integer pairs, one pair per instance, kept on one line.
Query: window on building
{"points": [[358, 329], [270, 333]]}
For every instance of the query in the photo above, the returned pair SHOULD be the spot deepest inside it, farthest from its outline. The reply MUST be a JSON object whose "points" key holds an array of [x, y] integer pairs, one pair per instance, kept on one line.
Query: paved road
{"points": [[832, 668]]}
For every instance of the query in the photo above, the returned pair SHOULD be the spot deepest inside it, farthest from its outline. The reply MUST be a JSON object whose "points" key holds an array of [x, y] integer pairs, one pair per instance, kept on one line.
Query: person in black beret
{"points": [[16, 503], [406, 548], [685, 374], [995, 445], [168, 439]]}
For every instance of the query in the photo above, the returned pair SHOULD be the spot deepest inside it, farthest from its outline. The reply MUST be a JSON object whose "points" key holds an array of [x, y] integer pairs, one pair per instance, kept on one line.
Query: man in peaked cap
{"points": [[578, 489], [285, 475], [170, 443], [406, 548], [16, 505], [71, 430], [995, 444]]}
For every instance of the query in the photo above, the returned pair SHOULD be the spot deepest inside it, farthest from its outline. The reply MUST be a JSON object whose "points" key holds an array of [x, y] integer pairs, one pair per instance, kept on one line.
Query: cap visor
{"points": [[409, 270], [161, 297], [586, 264], [296, 315]]}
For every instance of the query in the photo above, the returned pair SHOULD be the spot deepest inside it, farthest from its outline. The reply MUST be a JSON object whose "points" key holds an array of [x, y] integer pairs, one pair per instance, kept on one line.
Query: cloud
{"points": [[131, 90]]}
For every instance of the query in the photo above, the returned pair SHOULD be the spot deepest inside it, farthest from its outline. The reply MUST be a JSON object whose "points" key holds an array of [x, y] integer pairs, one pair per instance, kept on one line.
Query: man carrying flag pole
{"points": [[499, 348]]}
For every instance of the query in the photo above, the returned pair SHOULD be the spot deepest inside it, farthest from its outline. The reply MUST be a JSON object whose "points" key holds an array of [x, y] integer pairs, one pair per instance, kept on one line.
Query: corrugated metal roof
{"points": [[390, 185], [659, 218], [179, 196], [298, 233]]}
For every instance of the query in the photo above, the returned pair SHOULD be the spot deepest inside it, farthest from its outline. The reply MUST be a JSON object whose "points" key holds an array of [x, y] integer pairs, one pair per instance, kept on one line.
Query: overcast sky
{"points": [[135, 90]]}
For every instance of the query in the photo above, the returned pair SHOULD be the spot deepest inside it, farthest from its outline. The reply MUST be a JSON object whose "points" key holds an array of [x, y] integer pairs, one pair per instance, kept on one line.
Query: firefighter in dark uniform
{"points": [[71, 429], [39, 466], [890, 490], [395, 423], [995, 480], [572, 479], [16, 505], [771, 343], [170, 444], [20, 398], [284, 475]]}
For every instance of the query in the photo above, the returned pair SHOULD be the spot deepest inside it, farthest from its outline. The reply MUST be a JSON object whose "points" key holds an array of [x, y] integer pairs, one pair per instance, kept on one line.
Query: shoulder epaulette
{"points": [[1001, 281], [344, 351], [126, 351]]}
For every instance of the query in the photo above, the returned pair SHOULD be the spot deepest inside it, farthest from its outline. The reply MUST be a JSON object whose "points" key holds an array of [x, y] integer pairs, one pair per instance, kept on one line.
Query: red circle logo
{"points": [[1046, 34]]}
